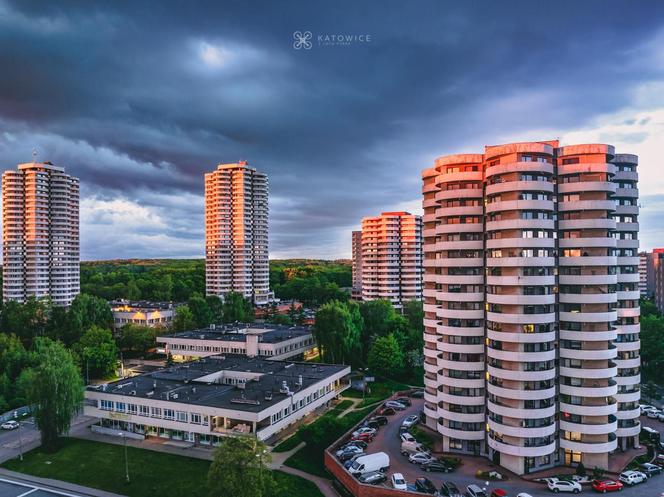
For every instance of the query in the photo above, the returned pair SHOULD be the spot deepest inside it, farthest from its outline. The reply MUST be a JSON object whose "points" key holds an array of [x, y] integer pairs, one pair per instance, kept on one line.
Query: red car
{"points": [[606, 486], [365, 437]]}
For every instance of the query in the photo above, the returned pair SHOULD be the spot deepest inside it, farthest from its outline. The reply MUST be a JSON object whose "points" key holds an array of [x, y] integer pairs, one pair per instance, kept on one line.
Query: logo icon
{"points": [[302, 40]]}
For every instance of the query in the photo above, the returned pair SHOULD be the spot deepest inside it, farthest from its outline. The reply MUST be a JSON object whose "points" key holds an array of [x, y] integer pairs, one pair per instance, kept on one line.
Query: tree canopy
{"points": [[239, 469]]}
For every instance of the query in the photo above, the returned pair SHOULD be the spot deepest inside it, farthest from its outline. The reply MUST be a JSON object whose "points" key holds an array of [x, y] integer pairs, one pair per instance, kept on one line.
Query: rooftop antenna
{"points": [[34, 155]]}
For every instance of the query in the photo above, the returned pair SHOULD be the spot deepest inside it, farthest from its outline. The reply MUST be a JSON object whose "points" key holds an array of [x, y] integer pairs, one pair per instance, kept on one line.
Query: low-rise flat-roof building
{"points": [[142, 313], [216, 396], [268, 341]]}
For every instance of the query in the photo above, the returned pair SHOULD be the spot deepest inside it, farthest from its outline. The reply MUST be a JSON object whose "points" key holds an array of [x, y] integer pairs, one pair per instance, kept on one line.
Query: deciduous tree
{"points": [[239, 469]]}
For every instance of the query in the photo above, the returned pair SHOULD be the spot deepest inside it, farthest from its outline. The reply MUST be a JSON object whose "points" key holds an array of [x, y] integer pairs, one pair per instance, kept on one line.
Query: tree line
{"points": [[372, 334], [652, 343], [311, 282]]}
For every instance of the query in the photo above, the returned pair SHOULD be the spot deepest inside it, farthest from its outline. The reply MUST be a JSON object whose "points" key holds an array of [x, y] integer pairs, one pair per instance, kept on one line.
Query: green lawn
{"points": [[152, 474]]}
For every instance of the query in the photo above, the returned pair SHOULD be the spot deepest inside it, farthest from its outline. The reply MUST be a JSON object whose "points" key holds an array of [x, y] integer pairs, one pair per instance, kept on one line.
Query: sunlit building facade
{"points": [[40, 234], [391, 257], [531, 303], [236, 232]]}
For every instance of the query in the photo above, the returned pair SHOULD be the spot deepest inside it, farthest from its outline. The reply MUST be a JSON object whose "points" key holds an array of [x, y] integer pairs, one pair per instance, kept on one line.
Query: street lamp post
{"points": [[20, 443], [124, 440]]}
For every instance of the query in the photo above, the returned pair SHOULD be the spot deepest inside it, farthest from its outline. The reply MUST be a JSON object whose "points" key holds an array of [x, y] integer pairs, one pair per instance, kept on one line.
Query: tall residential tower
{"points": [[532, 303], [40, 234], [236, 232], [391, 257]]}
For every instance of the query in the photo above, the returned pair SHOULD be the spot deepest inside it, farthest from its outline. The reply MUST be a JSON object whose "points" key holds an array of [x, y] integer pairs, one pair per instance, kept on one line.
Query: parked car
{"points": [[632, 477], [408, 448], [660, 416], [645, 407], [474, 491], [498, 492], [364, 431], [381, 420], [651, 434], [425, 486], [349, 454], [404, 400], [350, 461], [606, 486], [364, 437], [373, 478], [653, 413], [417, 394], [378, 461], [10, 425], [449, 489], [394, 405], [411, 420], [650, 469], [407, 437], [351, 449], [356, 443], [556, 485], [523, 494], [420, 458], [370, 424], [398, 482], [440, 466], [387, 411]]}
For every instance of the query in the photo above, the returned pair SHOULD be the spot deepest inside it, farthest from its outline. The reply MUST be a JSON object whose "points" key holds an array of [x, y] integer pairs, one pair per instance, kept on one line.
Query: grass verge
{"points": [[152, 474]]}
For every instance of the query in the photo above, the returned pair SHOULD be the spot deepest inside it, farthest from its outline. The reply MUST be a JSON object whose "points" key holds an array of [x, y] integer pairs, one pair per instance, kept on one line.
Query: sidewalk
{"points": [[55, 485]]}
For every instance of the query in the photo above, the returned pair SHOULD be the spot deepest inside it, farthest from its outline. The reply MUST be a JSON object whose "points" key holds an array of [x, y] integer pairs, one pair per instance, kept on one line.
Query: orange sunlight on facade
{"points": [[236, 232], [531, 303], [40, 234], [389, 263]]}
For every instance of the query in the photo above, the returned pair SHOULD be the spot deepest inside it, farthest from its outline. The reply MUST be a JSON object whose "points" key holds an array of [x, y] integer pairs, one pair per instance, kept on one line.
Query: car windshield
{"points": [[355, 465]]}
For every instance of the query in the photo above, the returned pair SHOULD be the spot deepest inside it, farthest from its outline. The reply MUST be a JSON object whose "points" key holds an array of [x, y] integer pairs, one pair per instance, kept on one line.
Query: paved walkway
{"points": [[55, 485]]}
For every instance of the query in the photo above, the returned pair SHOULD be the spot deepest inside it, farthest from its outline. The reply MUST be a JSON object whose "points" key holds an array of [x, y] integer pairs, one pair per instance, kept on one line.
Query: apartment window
{"points": [[106, 405], [571, 160], [455, 443], [155, 412], [181, 416], [132, 408], [143, 411], [120, 406]]}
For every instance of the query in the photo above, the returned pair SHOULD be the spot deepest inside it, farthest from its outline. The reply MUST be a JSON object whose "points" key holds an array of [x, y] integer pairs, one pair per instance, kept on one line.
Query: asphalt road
{"points": [[387, 440]]}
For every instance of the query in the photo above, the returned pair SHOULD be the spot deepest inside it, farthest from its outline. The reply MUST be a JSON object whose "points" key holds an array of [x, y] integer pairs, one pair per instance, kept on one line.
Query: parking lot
{"points": [[11, 488], [387, 440]]}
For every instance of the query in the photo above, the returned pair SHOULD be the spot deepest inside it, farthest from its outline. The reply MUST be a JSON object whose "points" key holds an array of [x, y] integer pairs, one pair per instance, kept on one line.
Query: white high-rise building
{"points": [[40, 234], [236, 232], [531, 303]]}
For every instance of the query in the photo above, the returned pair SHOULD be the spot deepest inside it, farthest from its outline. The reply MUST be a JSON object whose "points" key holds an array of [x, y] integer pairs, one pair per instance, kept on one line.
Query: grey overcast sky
{"points": [[139, 99]]}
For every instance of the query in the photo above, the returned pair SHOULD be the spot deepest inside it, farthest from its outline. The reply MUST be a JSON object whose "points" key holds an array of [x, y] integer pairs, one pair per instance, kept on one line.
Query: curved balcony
{"points": [[520, 261], [450, 279], [462, 383], [464, 210], [527, 167], [522, 432], [588, 260], [454, 262], [430, 368], [588, 279], [587, 205], [628, 363], [494, 298], [459, 228], [460, 434], [585, 243], [504, 336], [521, 280], [459, 297], [516, 356], [462, 331], [628, 346], [510, 374], [627, 381], [604, 410], [631, 295], [589, 429], [431, 353], [520, 243], [445, 177], [458, 245], [519, 451], [587, 298], [628, 278], [460, 416], [522, 318], [461, 348], [632, 431], [589, 355], [629, 328], [461, 365], [591, 448], [610, 372], [607, 391], [586, 167], [512, 224], [631, 414], [515, 205], [430, 413], [519, 186], [587, 186], [509, 393], [458, 194], [460, 399], [460, 313], [521, 413], [577, 224]]}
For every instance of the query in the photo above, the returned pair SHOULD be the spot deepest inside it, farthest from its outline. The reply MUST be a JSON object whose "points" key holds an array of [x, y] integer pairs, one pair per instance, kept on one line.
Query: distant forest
{"points": [[311, 281]]}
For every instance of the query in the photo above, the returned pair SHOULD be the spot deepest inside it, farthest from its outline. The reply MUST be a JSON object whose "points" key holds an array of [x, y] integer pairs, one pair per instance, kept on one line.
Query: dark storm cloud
{"points": [[140, 99]]}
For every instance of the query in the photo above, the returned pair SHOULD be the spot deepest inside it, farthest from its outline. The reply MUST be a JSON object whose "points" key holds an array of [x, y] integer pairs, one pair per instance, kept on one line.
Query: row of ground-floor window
{"points": [[165, 433]]}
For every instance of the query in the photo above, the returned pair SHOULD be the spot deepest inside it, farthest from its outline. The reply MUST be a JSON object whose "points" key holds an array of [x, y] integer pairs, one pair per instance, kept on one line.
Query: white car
{"points": [[645, 408], [660, 416], [10, 425], [564, 486], [398, 482], [523, 494], [411, 420], [653, 413], [395, 405], [632, 477], [420, 458], [362, 431], [407, 437]]}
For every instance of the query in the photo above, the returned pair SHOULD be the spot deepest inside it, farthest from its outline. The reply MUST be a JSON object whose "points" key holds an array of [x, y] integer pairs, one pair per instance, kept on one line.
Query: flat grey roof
{"points": [[180, 383], [268, 333]]}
